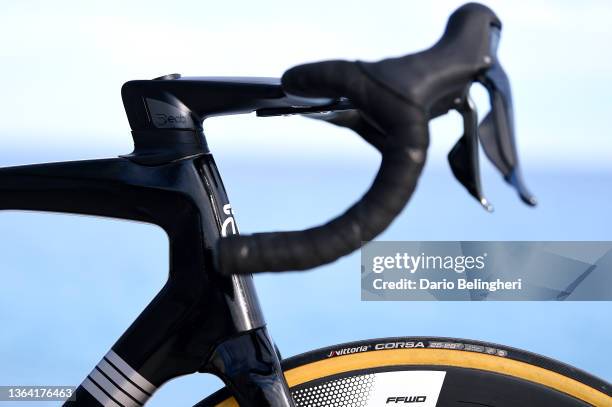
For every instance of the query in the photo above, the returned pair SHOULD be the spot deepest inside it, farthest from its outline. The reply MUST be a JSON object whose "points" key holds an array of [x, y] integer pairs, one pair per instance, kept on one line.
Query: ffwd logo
{"points": [[406, 399]]}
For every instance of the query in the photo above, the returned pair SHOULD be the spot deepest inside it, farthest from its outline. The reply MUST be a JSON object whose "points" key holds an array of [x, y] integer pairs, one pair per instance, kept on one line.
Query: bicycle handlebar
{"points": [[395, 99]]}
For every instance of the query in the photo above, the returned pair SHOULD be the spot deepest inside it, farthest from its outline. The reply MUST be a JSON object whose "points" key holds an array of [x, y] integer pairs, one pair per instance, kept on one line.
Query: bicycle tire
{"points": [[407, 371]]}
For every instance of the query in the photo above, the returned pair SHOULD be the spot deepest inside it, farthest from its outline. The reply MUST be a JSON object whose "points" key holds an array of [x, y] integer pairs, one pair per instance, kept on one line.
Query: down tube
{"points": [[246, 361]]}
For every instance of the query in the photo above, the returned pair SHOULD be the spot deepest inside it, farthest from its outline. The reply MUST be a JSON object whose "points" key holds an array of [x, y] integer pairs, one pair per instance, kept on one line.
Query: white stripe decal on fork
{"points": [[129, 372], [98, 394], [114, 383]]}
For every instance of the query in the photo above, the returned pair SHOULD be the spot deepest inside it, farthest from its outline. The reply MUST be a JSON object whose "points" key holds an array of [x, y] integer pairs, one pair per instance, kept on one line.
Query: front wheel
{"points": [[432, 372]]}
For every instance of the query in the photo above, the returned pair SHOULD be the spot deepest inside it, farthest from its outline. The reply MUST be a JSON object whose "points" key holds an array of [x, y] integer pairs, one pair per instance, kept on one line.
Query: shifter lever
{"points": [[463, 158]]}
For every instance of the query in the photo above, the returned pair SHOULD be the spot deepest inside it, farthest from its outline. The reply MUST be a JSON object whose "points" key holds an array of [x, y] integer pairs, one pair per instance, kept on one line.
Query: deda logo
{"points": [[169, 115], [161, 119], [229, 221]]}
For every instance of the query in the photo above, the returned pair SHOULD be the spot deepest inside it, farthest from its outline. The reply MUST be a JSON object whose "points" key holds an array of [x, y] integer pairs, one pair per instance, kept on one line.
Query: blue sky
{"points": [[65, 61], [71, 285]]}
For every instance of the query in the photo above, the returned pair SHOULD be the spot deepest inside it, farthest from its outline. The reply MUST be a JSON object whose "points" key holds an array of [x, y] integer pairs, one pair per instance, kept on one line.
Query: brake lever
{"points": [[496, 132], [463, 158]]}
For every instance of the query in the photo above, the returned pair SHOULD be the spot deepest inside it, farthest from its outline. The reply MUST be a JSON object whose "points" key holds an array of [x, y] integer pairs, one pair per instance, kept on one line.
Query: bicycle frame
{"points": [[200, 321]]}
